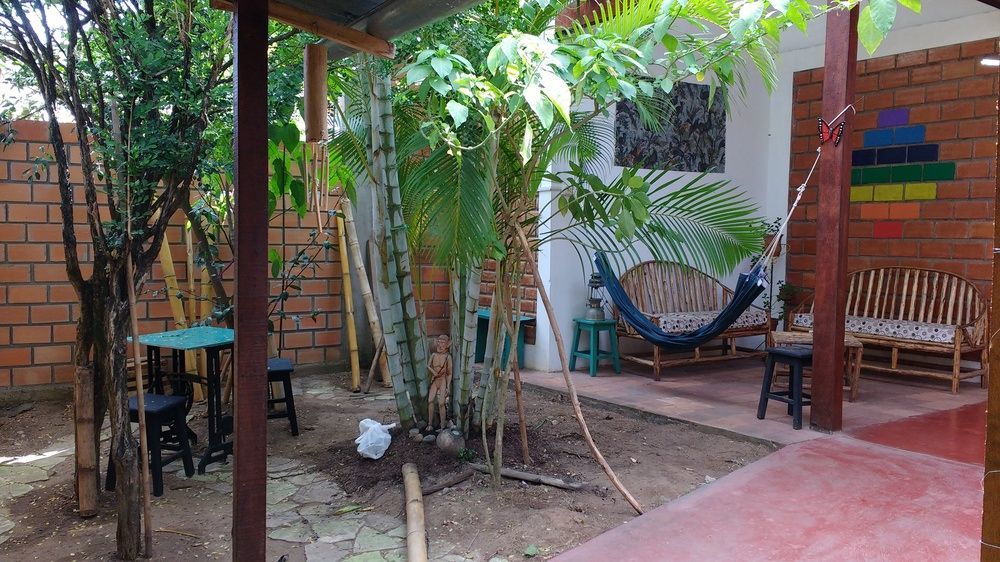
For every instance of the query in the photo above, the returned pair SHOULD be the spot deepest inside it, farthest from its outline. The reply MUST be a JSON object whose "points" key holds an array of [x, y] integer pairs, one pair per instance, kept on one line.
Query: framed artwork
{"points": [[692, 137]]}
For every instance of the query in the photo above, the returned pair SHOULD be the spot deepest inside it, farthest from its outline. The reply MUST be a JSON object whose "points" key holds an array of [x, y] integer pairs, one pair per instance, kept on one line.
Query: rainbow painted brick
{"points": [[896, 153]]}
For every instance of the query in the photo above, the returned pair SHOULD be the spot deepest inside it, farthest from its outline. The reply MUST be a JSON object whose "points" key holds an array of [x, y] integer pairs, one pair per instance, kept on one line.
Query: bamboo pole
{"points": [[358, 265], [86, 454], [416, 533], [177, 307], [352, 333]]}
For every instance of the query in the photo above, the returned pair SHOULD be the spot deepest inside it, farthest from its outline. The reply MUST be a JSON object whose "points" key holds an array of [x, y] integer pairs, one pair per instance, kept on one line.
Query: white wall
{"points": [[757, 148]]}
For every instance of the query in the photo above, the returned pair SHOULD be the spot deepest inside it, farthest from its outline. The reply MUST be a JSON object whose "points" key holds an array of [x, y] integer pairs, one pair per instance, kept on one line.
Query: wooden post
{"points": [[86, 454], [249, 532], [315, 92], [840, 71], [990, 547]]}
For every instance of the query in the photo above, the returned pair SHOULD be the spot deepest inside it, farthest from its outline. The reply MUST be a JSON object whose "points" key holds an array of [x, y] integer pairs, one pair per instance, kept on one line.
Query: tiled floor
{"points": [[724, 396], [903, 482]]}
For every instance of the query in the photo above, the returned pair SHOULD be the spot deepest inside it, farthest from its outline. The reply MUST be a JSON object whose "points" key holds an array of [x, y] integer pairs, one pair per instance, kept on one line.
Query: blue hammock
{"points": [[750, 285]]}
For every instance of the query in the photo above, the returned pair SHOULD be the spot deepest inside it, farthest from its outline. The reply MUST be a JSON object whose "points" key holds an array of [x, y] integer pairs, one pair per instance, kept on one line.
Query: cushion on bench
{"points": [[901, 329], [680, 322]]}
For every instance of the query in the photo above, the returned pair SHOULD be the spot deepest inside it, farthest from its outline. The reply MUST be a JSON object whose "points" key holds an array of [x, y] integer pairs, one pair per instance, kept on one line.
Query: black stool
{"points": [[280, 370], [797, 358], [161, 411]]}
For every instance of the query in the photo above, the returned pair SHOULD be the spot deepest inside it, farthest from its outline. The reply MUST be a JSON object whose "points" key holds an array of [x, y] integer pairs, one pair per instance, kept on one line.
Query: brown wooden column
{"points": [[250, 178], [840, 71], [990, 549]]}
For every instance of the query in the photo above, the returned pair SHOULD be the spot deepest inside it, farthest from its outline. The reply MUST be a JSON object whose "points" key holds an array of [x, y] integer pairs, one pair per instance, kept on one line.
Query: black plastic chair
{"points": [[797, 358], [162, 411], [279, 370]]}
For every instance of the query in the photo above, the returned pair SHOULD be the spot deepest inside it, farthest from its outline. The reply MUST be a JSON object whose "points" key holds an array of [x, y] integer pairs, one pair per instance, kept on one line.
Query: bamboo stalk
{"points": [[352, 332], [416, 532], [358, 265], [177, 308], [529, 477], [529, 257]]}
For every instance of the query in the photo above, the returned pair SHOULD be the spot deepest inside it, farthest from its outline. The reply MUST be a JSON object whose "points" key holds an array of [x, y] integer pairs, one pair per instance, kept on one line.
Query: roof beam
{"points": [[323, 27]]}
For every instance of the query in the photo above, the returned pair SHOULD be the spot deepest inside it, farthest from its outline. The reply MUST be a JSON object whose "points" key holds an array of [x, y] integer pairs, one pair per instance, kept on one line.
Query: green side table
{"points": [[594, 353]]}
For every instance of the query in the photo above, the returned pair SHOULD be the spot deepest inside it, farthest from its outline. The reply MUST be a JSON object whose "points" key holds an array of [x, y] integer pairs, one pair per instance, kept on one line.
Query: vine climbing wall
{"points": [[923, 165]]}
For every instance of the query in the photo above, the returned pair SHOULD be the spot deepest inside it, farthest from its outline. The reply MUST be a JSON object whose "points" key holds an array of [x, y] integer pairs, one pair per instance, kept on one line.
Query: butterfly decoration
{"points": [[829, 132]]}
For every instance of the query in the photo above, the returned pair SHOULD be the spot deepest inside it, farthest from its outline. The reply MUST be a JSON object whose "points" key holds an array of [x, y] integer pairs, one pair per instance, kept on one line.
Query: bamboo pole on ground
{"points": [[84, 431], [416, 532]]}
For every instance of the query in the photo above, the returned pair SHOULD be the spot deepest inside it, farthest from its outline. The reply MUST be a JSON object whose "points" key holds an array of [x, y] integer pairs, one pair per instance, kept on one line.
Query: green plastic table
{"points": [[213, 341], [483, 319], [594, 353]]}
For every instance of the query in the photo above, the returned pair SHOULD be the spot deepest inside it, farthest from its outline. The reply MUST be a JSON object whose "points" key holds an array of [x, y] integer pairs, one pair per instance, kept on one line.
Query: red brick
{"points": [[907, 97], [924, 114], [802, 77], [49, 314], [986, 107], [49, 272], [984, 127], [881, 63], [984, 148], [925, 74], [872, 247], [53, 354], [981, 230], [32, 334], [944, 130], [880, 100], [25, 252], [887, 229], [11, 314], [14, 273], [904, 211], [935, 249], [913, 58], [27, 294], [971, 250], [866, 83], [961, 109], [978, 86], [973, 169], [809, 92], [31, 375], [955, 150], [972, 210], [944, 53], [942, 91], [875, 211], [12, 232], [981, 47], [15, 356], [958, 69], [893, 78], [17, 192]]}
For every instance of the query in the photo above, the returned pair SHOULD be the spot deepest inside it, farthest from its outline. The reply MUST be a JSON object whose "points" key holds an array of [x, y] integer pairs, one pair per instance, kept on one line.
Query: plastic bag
{"points": [[374, 438]]}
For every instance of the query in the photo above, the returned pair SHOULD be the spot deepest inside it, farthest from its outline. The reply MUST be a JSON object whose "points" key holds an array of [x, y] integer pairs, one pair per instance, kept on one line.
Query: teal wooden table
{"points": [[594, 354], [213, 341]]}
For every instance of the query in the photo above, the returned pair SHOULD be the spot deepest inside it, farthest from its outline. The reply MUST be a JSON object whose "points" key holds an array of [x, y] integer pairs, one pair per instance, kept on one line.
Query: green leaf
{"points": [[913, 5], [276, 261], [750, 14], [526, 143], [670, 43], [287, 134], [868, 34], [780, 5], [459, 113], [539, 104], [494, 59], [558, 93], [883, 14], [297, 189], [444, 65], [440, 86], [417, 73]]}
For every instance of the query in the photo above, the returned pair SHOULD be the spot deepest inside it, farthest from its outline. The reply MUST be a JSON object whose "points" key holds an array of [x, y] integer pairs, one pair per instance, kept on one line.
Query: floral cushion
{"points": [[681, 322], [901, 329]]}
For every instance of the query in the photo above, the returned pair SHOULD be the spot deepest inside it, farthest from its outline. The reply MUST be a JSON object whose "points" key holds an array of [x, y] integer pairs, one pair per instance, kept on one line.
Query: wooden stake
{"points": [[376, 361], [529, 257], [86, 454], [529, 477], [416, 533]]}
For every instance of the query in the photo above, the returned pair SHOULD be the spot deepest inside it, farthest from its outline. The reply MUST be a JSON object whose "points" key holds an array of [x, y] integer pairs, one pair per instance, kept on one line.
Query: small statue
{"points": [[439, 367]]}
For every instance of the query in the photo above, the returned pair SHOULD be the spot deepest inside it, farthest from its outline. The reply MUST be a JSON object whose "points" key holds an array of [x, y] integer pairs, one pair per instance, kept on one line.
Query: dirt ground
{"points": [[657, 460]]}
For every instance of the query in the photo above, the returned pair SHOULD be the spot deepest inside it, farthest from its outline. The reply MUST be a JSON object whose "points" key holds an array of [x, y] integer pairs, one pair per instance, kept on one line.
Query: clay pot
{"points": [[451, 441]]}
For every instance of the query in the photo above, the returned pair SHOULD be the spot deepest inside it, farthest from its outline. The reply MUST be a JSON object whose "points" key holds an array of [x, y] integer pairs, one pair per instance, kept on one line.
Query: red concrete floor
{"points": [[901, 491], [958, 435]]}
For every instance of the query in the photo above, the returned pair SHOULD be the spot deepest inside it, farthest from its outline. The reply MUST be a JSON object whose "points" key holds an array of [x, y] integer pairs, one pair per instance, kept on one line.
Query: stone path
{"points": [[19, 475]]}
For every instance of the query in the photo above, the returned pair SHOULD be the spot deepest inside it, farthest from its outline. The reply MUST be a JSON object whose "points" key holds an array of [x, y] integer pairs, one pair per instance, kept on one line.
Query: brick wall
{"points": [[38, 307], [923, 176]]}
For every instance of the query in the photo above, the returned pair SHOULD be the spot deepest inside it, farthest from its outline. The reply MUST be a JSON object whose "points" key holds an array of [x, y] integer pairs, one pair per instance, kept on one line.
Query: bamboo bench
{"points": [[915, 310], [679, 298]]}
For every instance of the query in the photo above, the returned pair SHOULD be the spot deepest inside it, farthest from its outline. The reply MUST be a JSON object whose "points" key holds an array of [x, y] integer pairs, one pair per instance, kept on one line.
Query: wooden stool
{"points": [[161, 410], [594, 354], [797, 358], [280, 371]]}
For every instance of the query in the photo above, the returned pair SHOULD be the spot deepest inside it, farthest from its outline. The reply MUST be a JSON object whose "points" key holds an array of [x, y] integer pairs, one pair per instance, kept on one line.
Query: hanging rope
{"points": [[772, 248]]}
